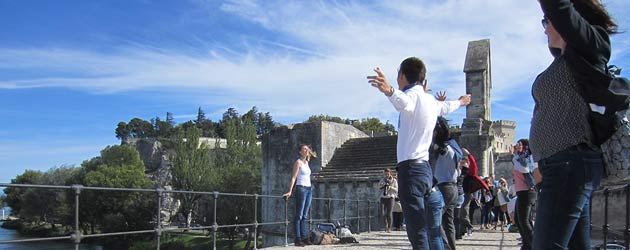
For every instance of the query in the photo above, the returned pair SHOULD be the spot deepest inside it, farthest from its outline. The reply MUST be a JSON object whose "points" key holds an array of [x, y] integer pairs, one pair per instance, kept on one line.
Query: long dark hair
{"points": [[526, 151], [595, 13]]}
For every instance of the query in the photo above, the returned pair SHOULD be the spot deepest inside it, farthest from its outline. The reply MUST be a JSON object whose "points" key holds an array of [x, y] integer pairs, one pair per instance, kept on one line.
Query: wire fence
{"points": [[606, 227], [77, 236]]}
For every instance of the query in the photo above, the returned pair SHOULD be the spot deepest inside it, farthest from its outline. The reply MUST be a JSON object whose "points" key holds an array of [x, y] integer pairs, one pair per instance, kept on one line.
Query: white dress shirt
{"points": [[418, 115]]}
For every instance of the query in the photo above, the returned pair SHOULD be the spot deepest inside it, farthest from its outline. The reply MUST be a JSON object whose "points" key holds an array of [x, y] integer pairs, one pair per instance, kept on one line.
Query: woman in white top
{"points": [[301, 180]]}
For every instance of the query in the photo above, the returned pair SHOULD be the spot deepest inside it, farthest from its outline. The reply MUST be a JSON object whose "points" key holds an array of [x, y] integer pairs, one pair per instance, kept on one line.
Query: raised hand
{"points": [[379, 81], [464, 100], [440, 96]]}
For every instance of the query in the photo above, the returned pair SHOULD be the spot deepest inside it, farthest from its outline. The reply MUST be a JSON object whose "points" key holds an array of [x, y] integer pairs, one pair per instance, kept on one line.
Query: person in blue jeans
{"points": [[561, 139], [434, 202], [301, 185], [418, 115]]}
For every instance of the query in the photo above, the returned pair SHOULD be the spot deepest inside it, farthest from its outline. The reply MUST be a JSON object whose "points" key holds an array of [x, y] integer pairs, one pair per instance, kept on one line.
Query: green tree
{"points": [[264, 123], [112, 211], [207, 126], [15, 195], [170, 119], [192, 169], [162, 129], [241, 170], [201, 116], [139, 128], [123, 132], [316, 118]]}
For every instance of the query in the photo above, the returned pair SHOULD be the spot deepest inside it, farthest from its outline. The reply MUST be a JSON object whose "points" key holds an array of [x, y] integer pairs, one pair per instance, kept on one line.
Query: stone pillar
{"points": [[478, 79], [475, 130]]}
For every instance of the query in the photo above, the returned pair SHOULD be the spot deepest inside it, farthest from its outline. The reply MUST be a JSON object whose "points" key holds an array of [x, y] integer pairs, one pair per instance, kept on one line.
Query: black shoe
{"points": [[307, 242], [298, 243]]}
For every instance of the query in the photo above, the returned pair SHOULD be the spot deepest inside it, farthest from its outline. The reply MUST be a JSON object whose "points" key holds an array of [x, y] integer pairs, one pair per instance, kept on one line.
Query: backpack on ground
{"points": [[329, 239], [346, 236], [326, 227], [316, 236]]}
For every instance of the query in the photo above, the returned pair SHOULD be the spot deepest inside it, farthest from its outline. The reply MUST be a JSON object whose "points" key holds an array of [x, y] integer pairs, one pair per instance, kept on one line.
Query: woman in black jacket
{"points": [[561, 138]]}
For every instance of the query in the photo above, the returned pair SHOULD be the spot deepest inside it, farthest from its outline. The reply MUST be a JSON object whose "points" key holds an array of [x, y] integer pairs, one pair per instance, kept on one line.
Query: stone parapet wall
{"points": [[617, 209]]}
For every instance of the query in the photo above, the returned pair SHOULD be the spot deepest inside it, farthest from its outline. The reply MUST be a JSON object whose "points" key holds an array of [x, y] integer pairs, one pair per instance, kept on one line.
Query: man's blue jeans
{"points": [[303, 199], [434, 203], [414, 182], [562, 214]]}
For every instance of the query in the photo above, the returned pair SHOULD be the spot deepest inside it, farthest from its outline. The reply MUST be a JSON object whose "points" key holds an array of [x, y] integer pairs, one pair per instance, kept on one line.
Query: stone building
{"points": [[484, 138], [350, 162]]}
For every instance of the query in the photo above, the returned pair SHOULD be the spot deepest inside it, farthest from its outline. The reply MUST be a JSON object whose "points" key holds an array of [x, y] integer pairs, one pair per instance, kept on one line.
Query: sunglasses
{"points": [[544, 22]]}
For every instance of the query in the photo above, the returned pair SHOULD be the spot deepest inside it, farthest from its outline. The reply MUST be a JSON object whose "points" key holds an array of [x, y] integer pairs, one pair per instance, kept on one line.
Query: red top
{"points": [[475, 182]]}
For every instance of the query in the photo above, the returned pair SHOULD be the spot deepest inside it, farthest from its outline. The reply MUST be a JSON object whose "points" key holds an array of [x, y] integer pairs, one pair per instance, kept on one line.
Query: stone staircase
{"points": [[360, 159]]}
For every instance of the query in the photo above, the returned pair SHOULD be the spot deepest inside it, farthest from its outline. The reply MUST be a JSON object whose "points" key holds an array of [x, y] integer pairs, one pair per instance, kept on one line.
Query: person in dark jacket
{"points": [[561, 138]]}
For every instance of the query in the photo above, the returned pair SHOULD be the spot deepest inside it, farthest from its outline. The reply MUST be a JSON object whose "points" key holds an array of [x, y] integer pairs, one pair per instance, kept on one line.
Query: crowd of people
{"points": [[437, 186]]}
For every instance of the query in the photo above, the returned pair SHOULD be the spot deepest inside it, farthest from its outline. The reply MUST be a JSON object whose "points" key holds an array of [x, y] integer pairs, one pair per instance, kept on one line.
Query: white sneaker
{"points": [[469, 233]]}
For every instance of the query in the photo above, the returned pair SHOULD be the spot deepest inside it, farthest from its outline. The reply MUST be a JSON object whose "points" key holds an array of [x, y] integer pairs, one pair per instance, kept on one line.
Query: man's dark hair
{"points": [[413, 69]]}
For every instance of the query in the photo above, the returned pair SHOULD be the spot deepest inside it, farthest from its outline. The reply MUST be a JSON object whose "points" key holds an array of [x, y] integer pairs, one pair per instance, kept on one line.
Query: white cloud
{"points": [[335, 45]]}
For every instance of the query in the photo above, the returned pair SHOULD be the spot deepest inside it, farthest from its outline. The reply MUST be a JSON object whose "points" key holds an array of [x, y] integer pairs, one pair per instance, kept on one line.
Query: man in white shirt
{"points": [[418, 115]]}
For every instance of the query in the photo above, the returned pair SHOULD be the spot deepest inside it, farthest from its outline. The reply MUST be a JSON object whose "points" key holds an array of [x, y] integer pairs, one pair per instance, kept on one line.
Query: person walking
{"points": [[561, 138], [301, 184], [418, 115]]}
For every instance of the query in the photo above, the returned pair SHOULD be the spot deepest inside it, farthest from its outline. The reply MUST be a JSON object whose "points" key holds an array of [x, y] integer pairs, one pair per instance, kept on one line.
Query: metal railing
{"points": [[76, 237], [606, 228]]}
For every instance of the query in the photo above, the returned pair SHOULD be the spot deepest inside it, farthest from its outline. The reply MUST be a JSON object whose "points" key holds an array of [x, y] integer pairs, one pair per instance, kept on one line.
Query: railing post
{"points": [[606, 225], [329, 211], [310, 216], [358, 217], [369, 216], [255, 221], [286, 221], [344, 212], [627, 231], [215, 226], [158, 229], [76, 236]]}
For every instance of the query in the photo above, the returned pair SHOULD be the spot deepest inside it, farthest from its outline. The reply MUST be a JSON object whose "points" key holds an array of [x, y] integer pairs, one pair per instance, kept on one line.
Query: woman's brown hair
{"points": [[311, 153], [595, 13]]}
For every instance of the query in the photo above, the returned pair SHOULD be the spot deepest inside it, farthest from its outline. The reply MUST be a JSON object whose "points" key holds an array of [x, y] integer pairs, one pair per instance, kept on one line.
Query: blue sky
{"points": [[71, 70]]}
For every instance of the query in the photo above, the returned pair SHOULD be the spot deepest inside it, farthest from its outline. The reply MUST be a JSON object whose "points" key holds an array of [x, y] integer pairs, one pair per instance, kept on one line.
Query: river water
{"points": [[6, 234]]}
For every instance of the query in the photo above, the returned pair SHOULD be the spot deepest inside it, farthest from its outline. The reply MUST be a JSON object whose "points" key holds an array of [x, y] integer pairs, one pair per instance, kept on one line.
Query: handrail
{"points": [[77, 236], [606, 228]]}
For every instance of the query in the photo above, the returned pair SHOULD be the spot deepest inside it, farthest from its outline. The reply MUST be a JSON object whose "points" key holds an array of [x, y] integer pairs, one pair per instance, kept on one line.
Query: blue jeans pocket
{"points": [[555, 175]]}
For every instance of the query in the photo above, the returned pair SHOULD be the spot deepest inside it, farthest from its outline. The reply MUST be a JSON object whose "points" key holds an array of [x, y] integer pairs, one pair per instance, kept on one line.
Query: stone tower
{"points": [[504, 132], [476, 135]]}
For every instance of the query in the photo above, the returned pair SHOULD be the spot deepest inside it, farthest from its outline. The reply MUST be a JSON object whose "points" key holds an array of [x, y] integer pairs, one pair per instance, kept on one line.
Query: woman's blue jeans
{"points": [[303, 197], [434, 203], [562, 214]]}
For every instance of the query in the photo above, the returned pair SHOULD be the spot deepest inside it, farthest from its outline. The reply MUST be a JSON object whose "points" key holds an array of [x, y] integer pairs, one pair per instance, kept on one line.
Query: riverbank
{"points": [[8, 234]]}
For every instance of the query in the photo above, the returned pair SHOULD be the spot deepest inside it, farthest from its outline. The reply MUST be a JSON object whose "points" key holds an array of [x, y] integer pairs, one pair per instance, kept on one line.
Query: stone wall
{"points": [[503, 167], [361, 191], [279, 152]]}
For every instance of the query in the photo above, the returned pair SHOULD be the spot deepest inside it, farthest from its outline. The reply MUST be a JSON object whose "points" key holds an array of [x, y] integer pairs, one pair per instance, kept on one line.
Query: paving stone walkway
{"points": [[486, 239]]}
